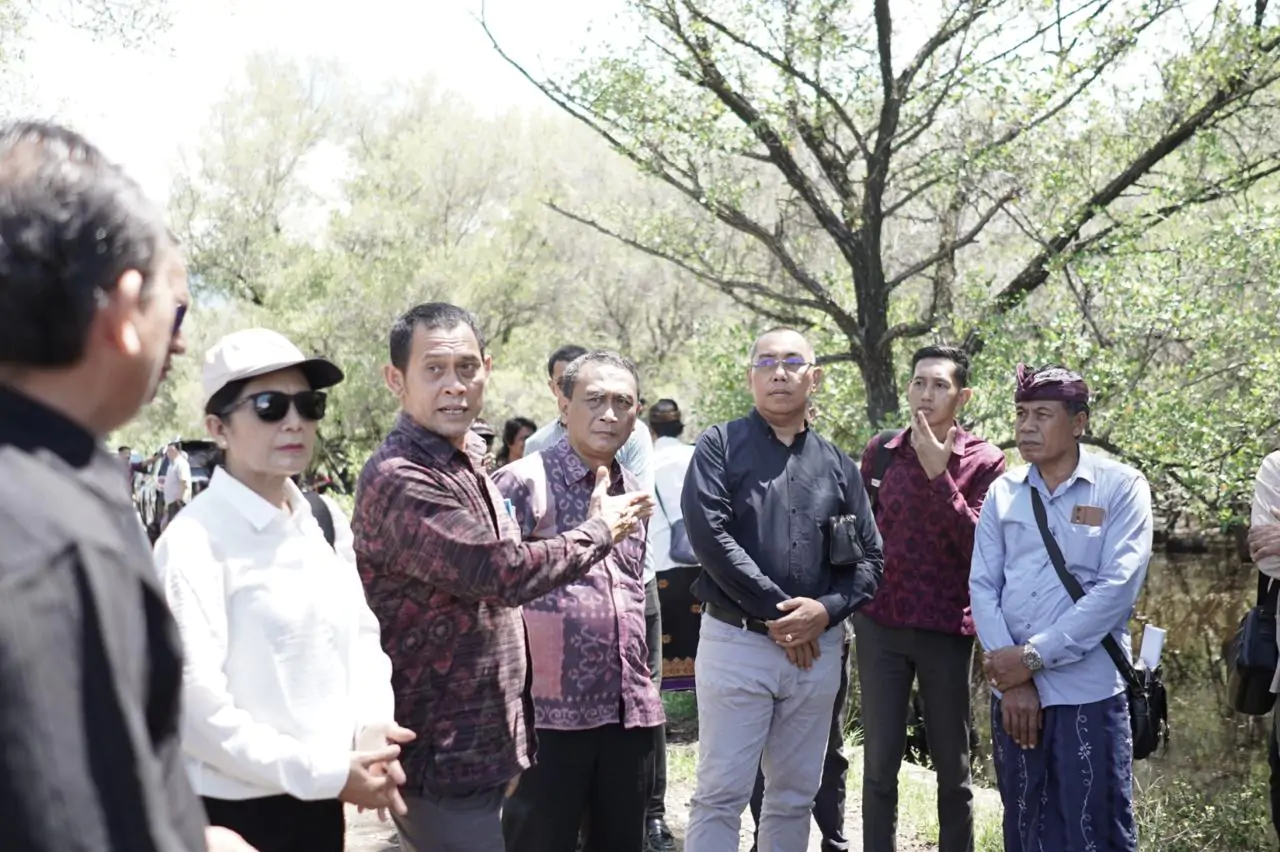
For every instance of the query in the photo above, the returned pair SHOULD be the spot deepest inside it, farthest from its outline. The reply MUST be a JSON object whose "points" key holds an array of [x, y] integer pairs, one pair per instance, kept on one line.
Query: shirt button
{"points": [[1034, 594], [1027, 625], [795, 544]]}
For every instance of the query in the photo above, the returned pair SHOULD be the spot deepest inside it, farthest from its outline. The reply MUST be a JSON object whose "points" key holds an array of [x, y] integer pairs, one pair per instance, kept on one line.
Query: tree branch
{"points": [[951, 248], [684, 181], [788, 68], [1036, 271], [727, 285]]}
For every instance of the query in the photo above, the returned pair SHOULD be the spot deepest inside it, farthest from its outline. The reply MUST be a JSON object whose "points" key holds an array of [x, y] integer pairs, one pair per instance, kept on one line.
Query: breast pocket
{"points": [[1084, 548]]}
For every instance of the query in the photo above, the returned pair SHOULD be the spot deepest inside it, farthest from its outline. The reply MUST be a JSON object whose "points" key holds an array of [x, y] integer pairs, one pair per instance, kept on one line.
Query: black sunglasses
{"points": [[273, 406]]}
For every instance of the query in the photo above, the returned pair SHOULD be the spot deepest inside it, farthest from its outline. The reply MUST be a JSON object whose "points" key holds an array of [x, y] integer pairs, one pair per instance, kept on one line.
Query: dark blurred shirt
{"points": [[90, 659], [758, 513]]}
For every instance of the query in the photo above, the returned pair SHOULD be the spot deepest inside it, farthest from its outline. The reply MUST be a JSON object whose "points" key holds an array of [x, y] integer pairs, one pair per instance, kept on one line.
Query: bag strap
{"points": [[1075, 590], [880, 463], [1268, 591], [320, 510]]}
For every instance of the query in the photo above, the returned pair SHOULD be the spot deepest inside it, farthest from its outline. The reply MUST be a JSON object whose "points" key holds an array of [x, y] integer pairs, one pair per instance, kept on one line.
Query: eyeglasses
{"points": [[273, 406], [792, 363]]}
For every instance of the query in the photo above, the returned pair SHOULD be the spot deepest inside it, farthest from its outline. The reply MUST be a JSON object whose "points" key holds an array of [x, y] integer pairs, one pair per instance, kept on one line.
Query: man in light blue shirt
{"points": [[1060, 714]]}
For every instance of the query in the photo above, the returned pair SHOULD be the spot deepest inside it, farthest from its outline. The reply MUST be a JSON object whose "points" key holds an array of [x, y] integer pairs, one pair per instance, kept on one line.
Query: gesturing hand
{"points": [[805, 621], [369, 785], [1021, 715], [622, 512], [374, 737], [932, 453]]}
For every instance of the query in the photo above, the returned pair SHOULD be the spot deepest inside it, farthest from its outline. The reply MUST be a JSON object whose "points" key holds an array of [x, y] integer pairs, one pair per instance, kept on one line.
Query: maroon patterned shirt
{"points": [[445, 572], [586, 639], [928, 527]]}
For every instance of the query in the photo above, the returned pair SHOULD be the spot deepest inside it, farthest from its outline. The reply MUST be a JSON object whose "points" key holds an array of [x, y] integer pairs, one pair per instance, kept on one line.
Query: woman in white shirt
{"points": [[287, 702]]}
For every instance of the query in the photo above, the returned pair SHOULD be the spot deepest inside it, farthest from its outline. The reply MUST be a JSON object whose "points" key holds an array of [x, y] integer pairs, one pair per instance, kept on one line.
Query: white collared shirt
{"points": [[283, 665], [671, 459]]}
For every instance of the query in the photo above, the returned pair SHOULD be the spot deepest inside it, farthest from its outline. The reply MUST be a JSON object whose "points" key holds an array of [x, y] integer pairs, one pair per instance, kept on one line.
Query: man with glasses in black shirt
{"points": [[782, 527]]}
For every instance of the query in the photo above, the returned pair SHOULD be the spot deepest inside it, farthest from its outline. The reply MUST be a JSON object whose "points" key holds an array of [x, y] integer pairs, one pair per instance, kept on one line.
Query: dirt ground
{"points": [[366, 834]]}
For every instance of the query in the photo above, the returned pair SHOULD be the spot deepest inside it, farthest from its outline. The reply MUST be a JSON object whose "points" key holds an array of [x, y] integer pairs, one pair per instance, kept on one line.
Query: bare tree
{"points": [[816, 133]]}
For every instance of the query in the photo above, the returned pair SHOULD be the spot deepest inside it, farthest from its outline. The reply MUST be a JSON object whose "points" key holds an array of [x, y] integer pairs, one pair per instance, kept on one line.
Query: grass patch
{"points": [[918, 804]]}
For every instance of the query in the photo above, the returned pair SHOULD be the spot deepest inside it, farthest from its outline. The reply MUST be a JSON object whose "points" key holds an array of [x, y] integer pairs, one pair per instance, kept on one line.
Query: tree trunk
{"points": [[879, 378]]}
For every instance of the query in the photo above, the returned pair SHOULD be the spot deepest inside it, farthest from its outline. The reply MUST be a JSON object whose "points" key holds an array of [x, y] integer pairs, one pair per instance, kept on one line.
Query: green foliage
{"points": [[324, 212]]}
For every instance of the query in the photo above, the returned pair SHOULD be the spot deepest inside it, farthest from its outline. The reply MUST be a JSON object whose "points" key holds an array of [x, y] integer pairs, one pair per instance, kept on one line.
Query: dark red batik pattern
{"points": [[928, 529], [445, 572]]}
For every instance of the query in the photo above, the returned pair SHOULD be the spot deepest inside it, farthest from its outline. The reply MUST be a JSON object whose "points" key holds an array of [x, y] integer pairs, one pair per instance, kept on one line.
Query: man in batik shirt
{"points": [[595, 704]]}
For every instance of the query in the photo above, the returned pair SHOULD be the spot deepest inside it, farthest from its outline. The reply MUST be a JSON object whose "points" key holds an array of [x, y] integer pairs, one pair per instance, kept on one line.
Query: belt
{"points": [[719, 613]]}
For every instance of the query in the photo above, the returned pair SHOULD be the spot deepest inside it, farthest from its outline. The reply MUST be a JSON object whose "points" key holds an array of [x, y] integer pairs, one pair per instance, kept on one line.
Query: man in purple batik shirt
{"points": [[595, 704]]}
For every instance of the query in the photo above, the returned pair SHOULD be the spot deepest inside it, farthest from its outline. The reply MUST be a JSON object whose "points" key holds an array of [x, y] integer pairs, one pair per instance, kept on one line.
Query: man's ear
{"points": [[1080, 423], [966, 394], [394, 380], [118, 311], [817, 374]]}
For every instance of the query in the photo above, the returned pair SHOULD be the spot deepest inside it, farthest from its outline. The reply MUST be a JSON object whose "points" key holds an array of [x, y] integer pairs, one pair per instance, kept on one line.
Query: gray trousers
{"points": [[755, 709], [889, 660], [452, 823]]}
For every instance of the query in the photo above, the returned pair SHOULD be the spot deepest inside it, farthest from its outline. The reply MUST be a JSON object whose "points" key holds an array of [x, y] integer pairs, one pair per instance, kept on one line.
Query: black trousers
{"points": [[653, 635], [890, 660], [282, 823], [603, 775], [828, 805]]}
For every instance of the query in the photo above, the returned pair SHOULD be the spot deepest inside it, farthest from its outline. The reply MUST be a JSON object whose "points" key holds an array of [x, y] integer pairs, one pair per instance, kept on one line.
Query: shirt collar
{"points": [[30, 425], [435, 445], [758, 418], [574, 470], [257, 511], [1086, 469]]}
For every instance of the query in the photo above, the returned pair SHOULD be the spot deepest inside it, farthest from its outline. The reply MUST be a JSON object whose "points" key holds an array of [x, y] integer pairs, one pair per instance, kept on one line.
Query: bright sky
{"points": [[143, 106]]}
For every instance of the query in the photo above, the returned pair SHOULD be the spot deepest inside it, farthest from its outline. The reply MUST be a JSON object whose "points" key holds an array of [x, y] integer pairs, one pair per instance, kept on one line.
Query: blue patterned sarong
{"points": [[1074, 791]]}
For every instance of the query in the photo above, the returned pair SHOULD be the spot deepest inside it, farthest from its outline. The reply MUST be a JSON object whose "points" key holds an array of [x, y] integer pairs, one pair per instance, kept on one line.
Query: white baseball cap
{"points": [[256, 352]]}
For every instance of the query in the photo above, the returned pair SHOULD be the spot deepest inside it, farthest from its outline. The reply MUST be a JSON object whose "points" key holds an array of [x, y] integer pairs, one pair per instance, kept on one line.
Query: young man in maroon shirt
{"points": [[919, 624]]}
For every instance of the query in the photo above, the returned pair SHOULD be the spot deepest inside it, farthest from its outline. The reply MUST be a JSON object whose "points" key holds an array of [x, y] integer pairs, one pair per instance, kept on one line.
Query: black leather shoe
{"points": [[829, 846], [659, 837]]}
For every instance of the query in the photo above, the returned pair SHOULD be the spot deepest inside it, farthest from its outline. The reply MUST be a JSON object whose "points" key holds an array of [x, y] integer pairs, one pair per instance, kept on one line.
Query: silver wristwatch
{"points": [[1031, 658]]}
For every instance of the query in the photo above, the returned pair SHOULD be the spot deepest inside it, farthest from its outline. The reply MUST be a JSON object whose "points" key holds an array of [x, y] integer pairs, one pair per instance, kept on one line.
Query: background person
{"points": [[781, 523]]}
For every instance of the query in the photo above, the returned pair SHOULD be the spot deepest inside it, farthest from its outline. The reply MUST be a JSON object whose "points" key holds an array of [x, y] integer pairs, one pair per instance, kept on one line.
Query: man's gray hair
{"points": [[600, 356]]}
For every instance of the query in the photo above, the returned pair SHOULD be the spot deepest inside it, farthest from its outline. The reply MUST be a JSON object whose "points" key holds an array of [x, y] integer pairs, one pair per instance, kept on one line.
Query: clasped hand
{"points": [[375, 774], [1264, 540], [1004, 668], [799, 630], [1020, 711]]}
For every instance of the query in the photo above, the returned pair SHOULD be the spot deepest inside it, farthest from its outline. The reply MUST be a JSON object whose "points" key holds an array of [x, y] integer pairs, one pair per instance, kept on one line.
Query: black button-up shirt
{"points": [[758, 516]]}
